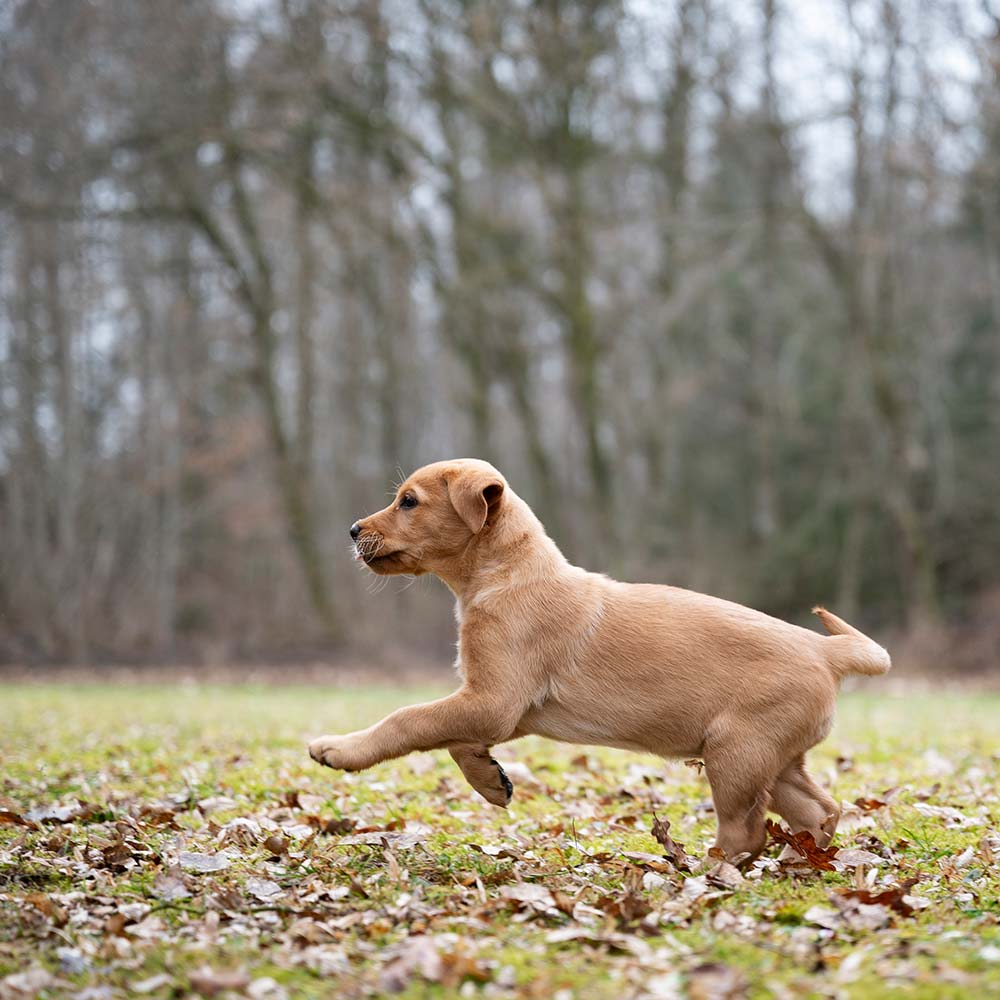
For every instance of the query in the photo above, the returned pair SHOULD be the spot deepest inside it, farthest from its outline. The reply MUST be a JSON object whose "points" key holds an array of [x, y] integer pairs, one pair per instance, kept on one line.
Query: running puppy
{"points": [[547, 648]]}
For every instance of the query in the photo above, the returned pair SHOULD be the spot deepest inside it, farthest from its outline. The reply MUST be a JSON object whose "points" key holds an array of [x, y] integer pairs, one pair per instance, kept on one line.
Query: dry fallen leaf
{"points": [[306, 801], [149, 929], [695, 888], [852, 857], [673, 851], [115, 925], [626, 909], [565, 904], [497, 851], [804, 844], [336, 827], [159, 814], [870, 805], [47, 906], [194, 861], [120, 854], [10, 818], [725, 876], [263, 889], [528, 892], [893, 898], [61, 814], [306, 930], [823, 916], [654, 862], [953, 818], [169, 886]]}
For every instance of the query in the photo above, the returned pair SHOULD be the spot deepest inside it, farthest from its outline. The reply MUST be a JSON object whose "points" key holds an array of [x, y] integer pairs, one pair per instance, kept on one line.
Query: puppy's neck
{"points": [[512, 551]]}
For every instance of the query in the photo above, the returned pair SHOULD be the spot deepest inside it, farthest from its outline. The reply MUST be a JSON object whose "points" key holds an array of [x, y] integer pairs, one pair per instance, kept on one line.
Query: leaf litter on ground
{"points": [[399, 880]]}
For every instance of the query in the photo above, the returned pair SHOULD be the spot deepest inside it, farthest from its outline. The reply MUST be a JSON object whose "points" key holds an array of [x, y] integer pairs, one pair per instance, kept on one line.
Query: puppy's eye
{"points": [[408, 502]]}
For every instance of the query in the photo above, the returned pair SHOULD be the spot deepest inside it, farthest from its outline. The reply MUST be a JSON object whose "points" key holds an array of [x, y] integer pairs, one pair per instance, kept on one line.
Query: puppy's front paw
{"points": [[505, 786], [485, 775], [337, 752]]}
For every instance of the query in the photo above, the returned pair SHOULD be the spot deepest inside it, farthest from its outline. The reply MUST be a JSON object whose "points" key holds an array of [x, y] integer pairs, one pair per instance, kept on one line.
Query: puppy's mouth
{"points": [[372, 560], [370, 551]]}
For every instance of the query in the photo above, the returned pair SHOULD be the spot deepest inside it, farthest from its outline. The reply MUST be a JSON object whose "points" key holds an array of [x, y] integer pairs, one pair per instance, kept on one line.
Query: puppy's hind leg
{"points": [[803, 804], [741, 792], [483, 772]]}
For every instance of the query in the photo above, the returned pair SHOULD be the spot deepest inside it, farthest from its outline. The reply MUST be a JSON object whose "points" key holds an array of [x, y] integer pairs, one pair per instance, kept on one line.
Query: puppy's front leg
{"points": [[483, 772], [465, 717]]}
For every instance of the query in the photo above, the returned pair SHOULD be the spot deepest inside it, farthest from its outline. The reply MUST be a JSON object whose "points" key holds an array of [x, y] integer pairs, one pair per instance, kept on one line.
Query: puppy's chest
{"points": [[489, 646]]}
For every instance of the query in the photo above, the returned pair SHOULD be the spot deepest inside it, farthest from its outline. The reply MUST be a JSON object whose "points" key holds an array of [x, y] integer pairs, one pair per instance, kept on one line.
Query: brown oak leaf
{"points": [[892, 898], [870, 805], [11, 818], [803, 843]]}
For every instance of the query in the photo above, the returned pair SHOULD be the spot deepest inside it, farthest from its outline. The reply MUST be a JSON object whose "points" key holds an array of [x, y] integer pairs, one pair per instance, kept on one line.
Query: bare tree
{"points": [[720, 327]]}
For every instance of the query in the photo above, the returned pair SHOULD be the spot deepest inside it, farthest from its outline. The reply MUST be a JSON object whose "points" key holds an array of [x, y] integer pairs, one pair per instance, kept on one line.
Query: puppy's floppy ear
{"points": [[474, 493]]}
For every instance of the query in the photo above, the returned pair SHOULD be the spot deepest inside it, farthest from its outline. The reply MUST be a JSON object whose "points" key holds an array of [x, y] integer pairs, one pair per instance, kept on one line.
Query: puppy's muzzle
{"points": [[368, 545]]}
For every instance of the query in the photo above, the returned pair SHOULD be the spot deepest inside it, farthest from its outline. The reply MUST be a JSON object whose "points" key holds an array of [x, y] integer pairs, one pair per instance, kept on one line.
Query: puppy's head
{"points": [[436, 512]]}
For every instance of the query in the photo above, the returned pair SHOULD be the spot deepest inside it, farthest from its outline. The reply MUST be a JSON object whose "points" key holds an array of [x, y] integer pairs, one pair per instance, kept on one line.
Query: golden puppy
{"points": [[550, 649]]}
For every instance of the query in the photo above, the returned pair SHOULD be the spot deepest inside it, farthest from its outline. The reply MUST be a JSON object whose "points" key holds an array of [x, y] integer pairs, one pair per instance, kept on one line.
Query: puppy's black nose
{"points": [[355, 530]]}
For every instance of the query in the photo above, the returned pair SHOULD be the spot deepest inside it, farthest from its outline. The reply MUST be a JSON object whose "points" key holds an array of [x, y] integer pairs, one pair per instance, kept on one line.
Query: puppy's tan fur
{"points": [[551, 649]]}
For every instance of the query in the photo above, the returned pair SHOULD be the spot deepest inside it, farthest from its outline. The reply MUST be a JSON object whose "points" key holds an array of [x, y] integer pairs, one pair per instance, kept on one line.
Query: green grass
{"points": [[346, 913]]}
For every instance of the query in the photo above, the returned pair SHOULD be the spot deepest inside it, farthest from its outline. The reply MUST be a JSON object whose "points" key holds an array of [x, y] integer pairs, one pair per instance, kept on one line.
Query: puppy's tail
{"points": [[855, 653]]}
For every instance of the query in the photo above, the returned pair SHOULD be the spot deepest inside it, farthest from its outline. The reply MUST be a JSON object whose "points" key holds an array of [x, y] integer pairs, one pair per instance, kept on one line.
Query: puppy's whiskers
{"points": [[368, 545]]}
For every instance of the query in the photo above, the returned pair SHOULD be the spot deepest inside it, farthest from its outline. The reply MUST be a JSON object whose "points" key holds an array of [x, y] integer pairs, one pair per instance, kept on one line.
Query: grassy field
{"points": [[168, 841]]}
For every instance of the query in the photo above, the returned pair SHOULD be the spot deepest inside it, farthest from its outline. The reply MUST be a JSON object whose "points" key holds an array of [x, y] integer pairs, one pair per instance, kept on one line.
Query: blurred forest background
{"points": [[715, 283]]}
